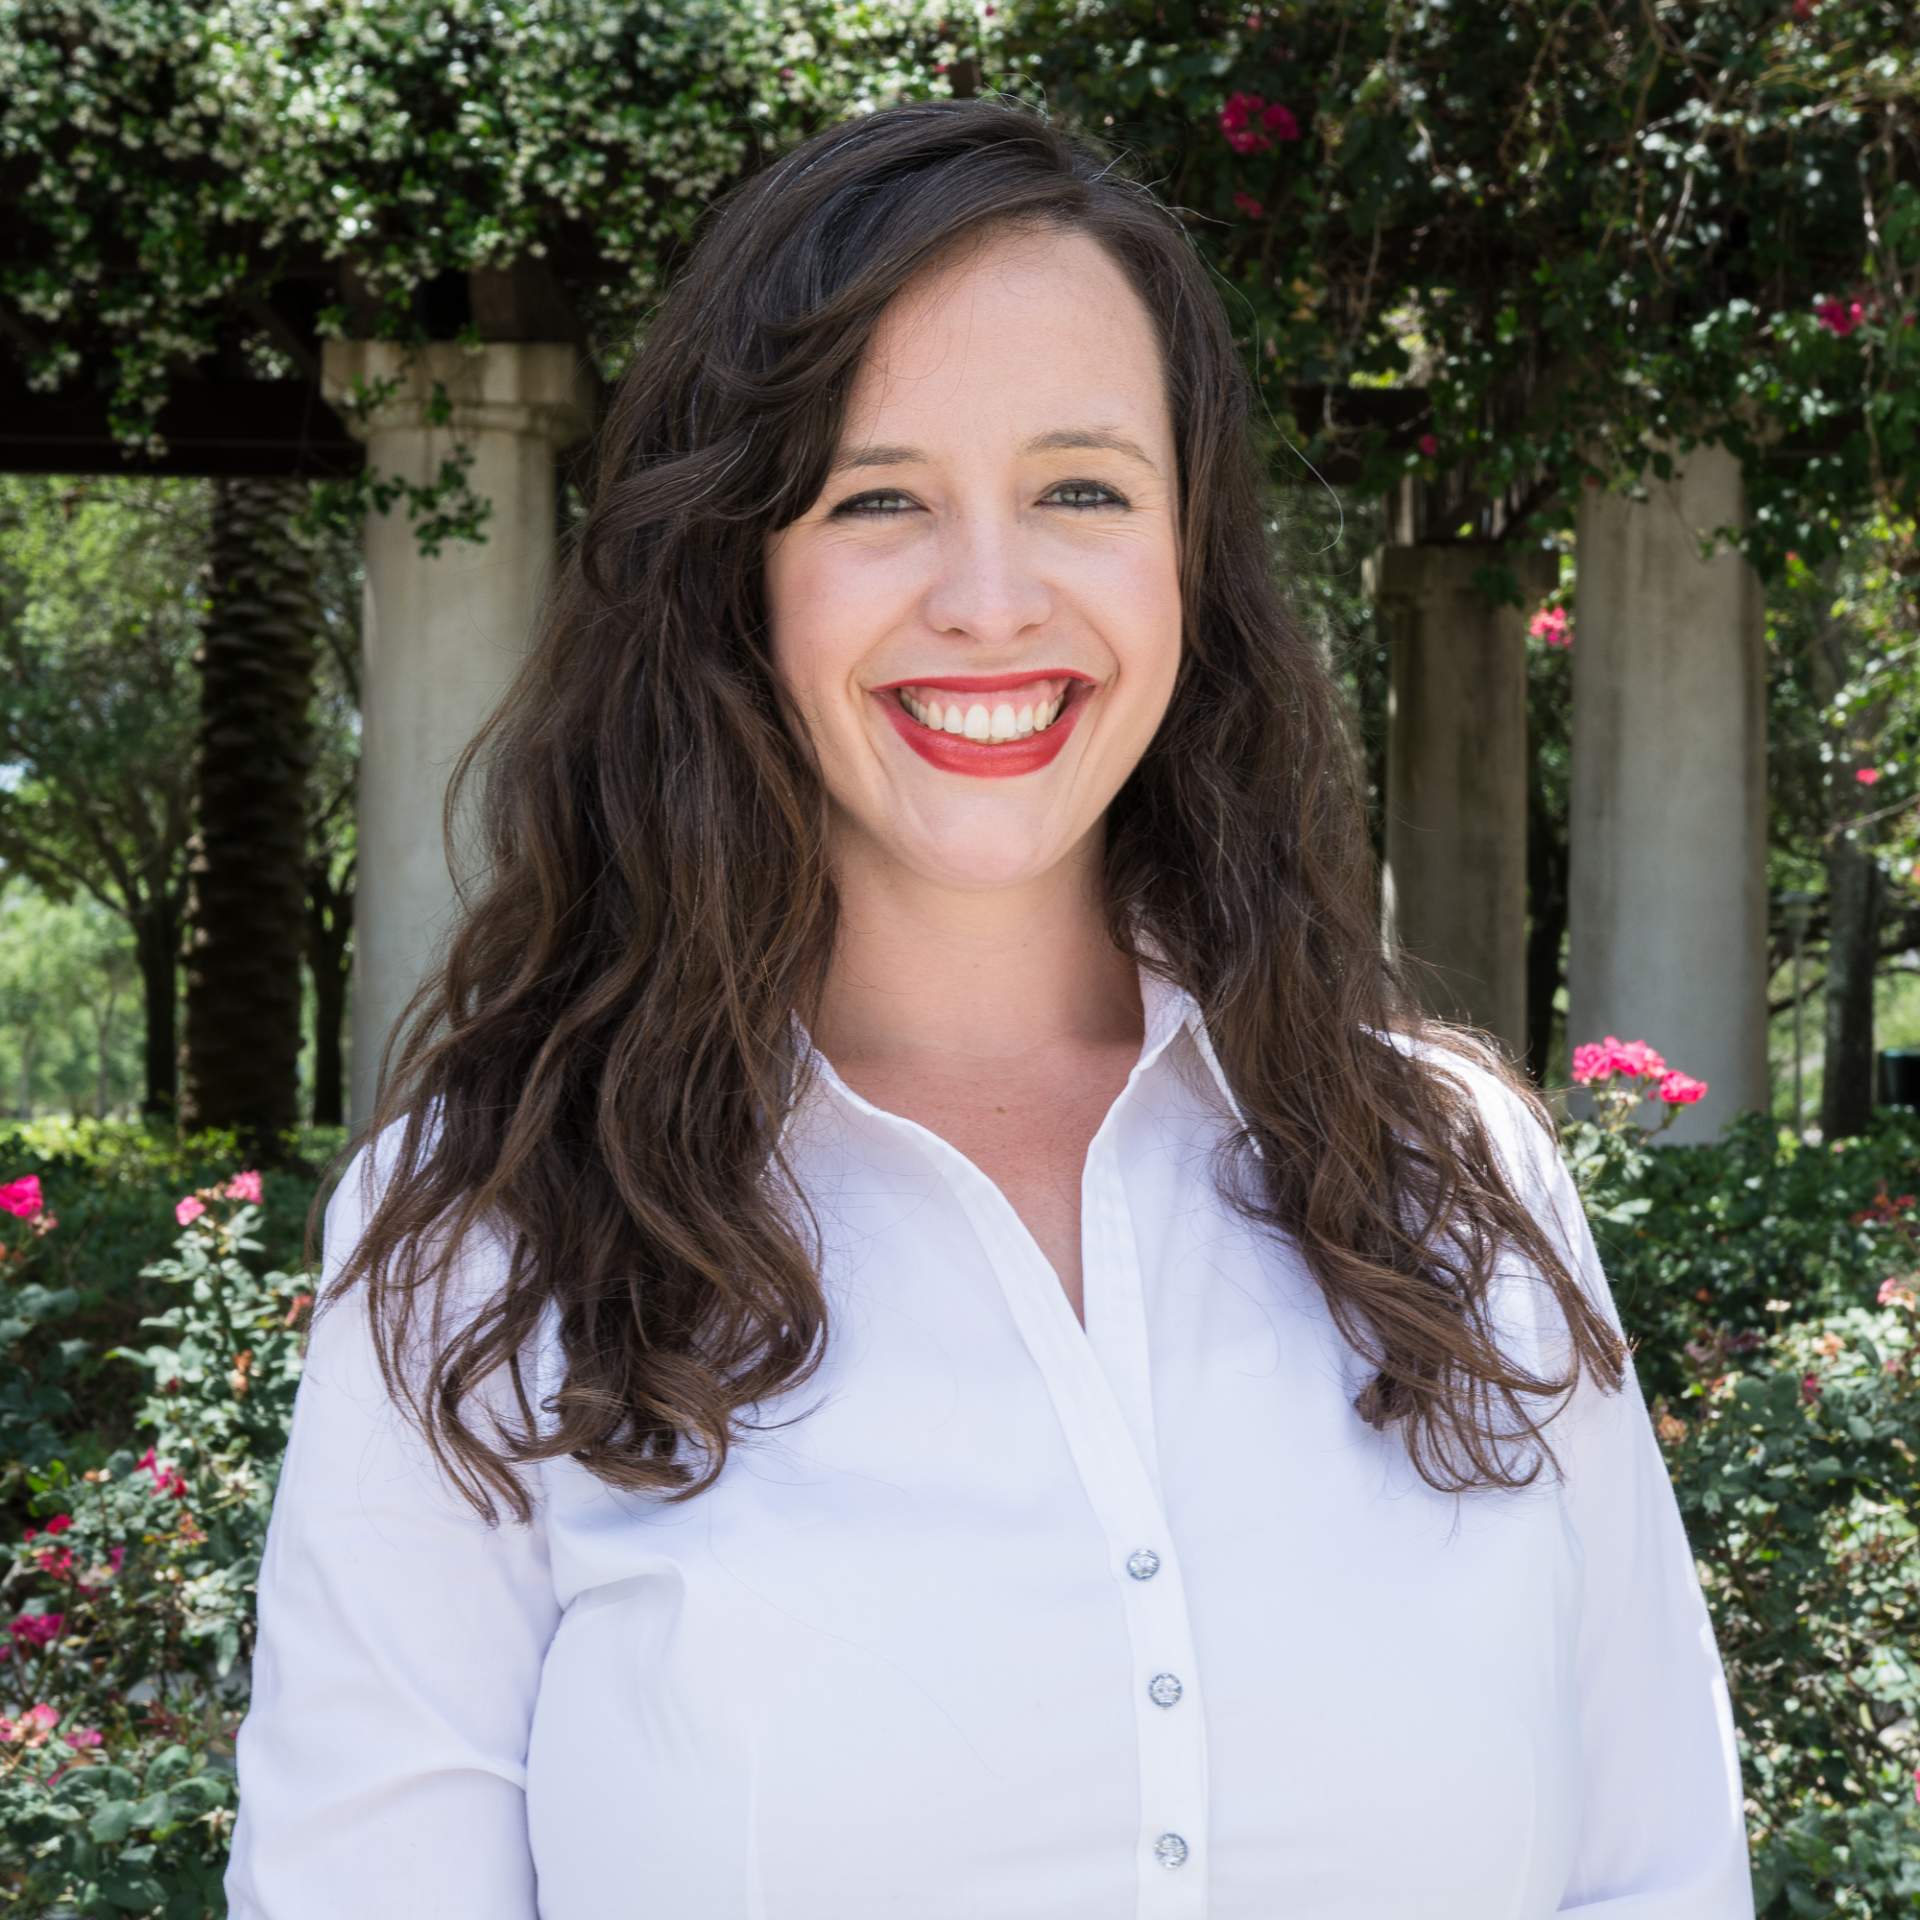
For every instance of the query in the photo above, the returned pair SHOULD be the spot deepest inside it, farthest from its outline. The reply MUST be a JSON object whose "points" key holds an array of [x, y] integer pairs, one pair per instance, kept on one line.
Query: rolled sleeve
{"points": [[382, 1759]]}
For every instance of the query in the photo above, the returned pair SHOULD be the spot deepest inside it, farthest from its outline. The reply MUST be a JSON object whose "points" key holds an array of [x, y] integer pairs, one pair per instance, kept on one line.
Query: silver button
{"points": [[1143, 1563], [1169, 1849], [1164, 1689]]}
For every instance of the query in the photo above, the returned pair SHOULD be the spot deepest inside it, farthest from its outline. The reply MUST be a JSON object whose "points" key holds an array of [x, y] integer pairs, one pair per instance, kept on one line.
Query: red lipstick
{"points": [[985, 682], [988, 759]]}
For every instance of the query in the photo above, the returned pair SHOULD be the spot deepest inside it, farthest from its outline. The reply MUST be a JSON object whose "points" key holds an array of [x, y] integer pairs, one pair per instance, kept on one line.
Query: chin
{"points": [[963, 869]]}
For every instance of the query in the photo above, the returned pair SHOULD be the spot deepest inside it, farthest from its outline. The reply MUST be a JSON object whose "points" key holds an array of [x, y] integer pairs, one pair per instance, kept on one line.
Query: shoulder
{"points": [[1517, 1120], [372, 1166], [1523, 1135], [457, 1289]]}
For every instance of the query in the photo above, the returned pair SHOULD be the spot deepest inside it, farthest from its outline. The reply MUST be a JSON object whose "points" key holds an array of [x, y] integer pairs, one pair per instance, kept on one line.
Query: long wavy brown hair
{"points": [[600, 1066]]}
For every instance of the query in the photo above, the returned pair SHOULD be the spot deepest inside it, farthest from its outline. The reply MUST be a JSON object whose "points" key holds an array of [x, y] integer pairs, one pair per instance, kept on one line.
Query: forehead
{"points": [[1010, 327]]}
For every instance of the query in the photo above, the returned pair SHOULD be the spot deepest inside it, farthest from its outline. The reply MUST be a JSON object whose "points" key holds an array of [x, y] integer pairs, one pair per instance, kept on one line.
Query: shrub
{"points": [[130, 1602], [93, 1283], [1772, 1290]]}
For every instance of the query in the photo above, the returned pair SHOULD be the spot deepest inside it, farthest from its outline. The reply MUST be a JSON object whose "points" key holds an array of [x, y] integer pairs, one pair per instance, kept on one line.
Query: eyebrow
{"points": [[1060, 438]]}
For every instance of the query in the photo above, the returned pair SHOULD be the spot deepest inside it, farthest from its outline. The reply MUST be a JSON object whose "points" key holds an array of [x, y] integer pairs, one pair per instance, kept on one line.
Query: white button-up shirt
{"points": [[1014, 1620]]}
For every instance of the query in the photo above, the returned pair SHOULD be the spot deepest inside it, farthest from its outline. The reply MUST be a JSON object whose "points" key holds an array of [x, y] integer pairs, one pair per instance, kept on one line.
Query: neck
{"points": [[923, 973]]}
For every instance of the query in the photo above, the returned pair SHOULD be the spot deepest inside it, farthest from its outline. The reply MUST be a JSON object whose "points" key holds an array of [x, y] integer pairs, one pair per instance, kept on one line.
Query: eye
{"points": [[860, 507]]}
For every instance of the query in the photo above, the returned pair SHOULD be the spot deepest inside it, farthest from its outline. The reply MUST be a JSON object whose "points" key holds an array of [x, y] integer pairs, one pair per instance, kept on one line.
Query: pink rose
{"points": [[1275, 123], [1838, 316], [1637, 1057], [21, 1197], [1602, 1059], [1680, 1090]]}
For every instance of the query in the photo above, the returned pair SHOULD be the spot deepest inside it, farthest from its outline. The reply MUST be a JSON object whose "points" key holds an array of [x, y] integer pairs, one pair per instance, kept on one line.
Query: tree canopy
{"points": [[1565, 227]]}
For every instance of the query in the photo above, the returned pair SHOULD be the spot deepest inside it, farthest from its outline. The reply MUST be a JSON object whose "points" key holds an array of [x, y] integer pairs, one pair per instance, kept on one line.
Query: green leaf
{"points": [[133, 1892], [112, 1823], [153, 1811]]}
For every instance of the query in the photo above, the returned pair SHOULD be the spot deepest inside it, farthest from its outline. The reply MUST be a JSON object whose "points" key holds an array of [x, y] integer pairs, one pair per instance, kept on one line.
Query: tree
{"points": [[332, 836], [66, 973], [1562, 230], [249, 857], [97, 703], [1843, 632]]}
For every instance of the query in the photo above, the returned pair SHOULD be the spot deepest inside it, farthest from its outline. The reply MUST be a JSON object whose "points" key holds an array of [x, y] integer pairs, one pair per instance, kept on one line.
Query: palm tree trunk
{"points": [[156, 942], [1853, 943], [1854, 903], [248, 858], [1549, 870], [329, 940]]}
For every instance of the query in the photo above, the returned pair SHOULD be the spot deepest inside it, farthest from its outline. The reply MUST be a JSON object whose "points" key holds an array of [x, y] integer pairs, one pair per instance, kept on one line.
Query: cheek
{"points": [[806, 640], [1150, 629]]}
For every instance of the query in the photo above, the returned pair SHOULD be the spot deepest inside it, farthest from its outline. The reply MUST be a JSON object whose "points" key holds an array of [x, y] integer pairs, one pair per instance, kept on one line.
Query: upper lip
{"points": [[984, 682]]}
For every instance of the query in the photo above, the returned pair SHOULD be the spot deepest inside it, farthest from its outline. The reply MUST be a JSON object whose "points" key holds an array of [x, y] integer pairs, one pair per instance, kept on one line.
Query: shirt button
{"points": [[1169, 1849], [1164, 1689], [1143, 1563]]}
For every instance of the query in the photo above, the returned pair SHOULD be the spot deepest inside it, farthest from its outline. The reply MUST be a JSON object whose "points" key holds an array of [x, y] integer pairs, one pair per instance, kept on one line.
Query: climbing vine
{"points": [[1573, 228]]}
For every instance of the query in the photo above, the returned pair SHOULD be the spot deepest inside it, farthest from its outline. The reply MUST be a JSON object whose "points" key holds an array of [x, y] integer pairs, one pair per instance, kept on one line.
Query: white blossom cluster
{"points": [[165, 156]]}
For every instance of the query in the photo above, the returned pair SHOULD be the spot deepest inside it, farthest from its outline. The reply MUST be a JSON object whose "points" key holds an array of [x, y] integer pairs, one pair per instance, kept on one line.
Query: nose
{"points": [[986, 580]]}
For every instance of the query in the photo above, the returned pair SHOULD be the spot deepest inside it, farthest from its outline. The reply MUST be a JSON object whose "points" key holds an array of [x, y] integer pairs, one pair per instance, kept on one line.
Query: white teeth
{"points": [[1002, 721]]}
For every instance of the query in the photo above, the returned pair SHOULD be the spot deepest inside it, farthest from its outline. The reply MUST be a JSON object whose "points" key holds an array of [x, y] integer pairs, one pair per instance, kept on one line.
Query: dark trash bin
{"points": [[1899, 1077]]}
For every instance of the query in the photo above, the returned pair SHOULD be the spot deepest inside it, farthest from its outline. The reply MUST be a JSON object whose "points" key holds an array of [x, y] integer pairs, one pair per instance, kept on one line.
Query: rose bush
{"points": [[128, 1600], [1774, 1308]]}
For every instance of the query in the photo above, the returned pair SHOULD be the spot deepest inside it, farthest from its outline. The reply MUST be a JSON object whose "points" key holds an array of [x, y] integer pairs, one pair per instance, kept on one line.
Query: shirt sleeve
{"points": [[400, 1641], [1662, 1832]]}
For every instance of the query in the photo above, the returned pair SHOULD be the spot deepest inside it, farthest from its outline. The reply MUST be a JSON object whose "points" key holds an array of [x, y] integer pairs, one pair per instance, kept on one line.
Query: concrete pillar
{"points": [[441, 636], [1455, 886], [1668, 919]]}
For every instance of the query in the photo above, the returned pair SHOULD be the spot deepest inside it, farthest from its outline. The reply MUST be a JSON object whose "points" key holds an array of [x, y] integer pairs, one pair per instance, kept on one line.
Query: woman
{"points": [[1022, 1369]]}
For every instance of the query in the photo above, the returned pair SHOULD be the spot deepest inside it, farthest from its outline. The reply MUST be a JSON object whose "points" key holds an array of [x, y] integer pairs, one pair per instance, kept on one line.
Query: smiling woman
{"points": [[1022, 1366]]}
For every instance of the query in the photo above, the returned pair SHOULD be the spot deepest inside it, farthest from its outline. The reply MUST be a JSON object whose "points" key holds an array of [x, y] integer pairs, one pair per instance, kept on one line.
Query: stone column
{"points": [[1668, 918], [441, 637], [1455, 887]]}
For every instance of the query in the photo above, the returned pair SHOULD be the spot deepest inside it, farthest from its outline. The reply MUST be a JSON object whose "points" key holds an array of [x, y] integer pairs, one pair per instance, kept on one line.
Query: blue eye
{"points": [[859, 507]]}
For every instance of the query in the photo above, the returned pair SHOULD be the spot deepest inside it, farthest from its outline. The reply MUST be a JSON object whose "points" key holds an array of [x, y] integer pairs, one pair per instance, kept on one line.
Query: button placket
{"points": [[1101, 1391], [1173, 1758], [1170, 1723]]}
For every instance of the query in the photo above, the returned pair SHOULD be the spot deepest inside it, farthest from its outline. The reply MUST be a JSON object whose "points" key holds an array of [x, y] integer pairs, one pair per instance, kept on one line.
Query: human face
{"points": [[958, 550]]}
